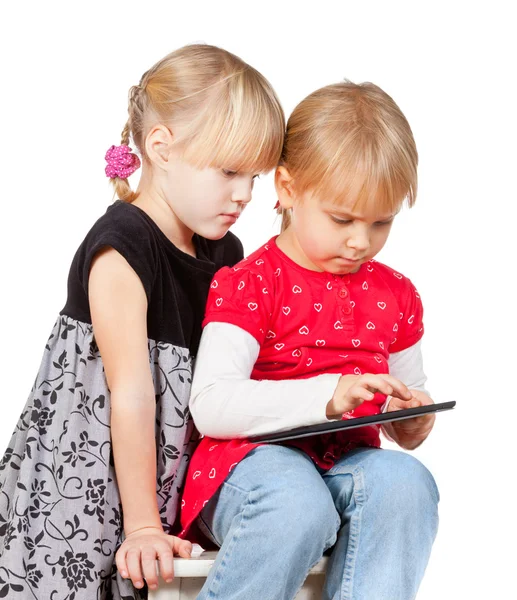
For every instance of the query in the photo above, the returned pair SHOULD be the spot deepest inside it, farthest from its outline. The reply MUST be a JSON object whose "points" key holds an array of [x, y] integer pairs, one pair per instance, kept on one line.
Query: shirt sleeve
{"points": [[410, 327], [130, 240], [241, 297], [225, 403]]}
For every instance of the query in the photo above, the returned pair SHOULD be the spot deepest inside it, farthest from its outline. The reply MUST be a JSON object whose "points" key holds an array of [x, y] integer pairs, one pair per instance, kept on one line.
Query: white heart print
{"points": [[317, 307], [356, 343], [411, 319], [378, 359], [219, 301], [279, 346], [264, 291], [381, 305], [297, 289], [259, 262], [395, 327], [309, 362], [270, 335], [365, 285], [241, 285], [329, 286], [214, 284], [397, 275], [381, 344], [320, 342], [352, 303], [357, 371], [278, 271], [303, 330], [196, 475], [297, 353], [286, 310], [252, 305], [338, 325], [370, 325], [212, 447], [212, 474]]}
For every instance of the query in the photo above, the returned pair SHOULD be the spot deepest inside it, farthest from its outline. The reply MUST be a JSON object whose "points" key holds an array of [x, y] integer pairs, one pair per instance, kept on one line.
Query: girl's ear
{"points": [[284, 187], [158, 145]]}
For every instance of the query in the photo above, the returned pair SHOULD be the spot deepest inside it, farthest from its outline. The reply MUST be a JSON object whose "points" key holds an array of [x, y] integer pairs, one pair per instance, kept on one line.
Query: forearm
{"points": [[226, 403], [134, 452], [232, 408]]}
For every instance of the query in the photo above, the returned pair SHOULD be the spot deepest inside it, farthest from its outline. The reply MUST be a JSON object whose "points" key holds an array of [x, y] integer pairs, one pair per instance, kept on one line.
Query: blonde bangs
{"points": [[366, 181], [350, 144], [240, 127], [221, 112]]}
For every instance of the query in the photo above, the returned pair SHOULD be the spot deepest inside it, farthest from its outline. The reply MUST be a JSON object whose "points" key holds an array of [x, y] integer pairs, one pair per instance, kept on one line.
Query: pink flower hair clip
{"points": [[121, 162]]}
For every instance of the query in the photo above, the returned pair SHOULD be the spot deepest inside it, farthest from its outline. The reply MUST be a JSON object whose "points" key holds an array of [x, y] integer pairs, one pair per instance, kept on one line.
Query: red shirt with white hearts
{"points": [[307, 323]]}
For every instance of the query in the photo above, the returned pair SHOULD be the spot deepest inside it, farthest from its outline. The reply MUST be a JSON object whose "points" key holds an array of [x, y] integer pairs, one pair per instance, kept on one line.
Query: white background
{"points": [[65, 72]]}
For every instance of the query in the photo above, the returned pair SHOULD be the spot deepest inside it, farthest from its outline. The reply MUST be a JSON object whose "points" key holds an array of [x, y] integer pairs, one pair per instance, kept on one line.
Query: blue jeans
{"points": [[277, 513]]}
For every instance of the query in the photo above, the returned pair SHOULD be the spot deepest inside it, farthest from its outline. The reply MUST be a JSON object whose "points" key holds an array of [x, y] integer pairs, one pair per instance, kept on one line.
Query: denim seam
{"points": [[218, 576], [205, 530], [359, 494]]}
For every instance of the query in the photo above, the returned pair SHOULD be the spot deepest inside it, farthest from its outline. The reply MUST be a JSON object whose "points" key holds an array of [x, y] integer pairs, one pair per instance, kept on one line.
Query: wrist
{"points": [[331, 411], [130, 531]]}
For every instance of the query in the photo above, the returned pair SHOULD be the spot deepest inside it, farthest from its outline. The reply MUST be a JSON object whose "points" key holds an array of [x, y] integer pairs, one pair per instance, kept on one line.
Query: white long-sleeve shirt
{"points": [[225, 403]]}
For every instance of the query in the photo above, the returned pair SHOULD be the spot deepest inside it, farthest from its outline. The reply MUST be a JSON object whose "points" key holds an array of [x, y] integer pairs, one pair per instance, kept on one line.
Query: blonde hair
{"points": [[229, 114], [351, 140]]}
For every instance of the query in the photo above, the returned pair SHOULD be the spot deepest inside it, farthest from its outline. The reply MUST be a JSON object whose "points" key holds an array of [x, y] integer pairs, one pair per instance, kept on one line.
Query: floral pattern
{"points": [[60, 510]]}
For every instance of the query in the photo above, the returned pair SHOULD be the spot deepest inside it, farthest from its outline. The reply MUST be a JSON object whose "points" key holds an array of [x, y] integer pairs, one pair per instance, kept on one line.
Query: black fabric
{"points": [[176, 284]]}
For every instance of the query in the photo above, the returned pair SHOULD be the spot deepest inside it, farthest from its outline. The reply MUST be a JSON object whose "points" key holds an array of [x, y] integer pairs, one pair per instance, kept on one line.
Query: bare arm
{"points": [[118, 307]]}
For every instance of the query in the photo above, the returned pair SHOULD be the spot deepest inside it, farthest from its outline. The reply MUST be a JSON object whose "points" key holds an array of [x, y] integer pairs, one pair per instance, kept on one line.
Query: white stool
{"points": [[190, 575]]}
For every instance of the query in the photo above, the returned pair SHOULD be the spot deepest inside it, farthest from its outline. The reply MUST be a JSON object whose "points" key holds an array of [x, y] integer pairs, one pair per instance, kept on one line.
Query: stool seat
{"points": [[190, 575]]}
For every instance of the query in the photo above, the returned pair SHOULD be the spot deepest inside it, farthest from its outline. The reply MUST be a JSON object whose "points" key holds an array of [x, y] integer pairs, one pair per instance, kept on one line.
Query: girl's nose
{"points": [[359, 240], [242, 191]]}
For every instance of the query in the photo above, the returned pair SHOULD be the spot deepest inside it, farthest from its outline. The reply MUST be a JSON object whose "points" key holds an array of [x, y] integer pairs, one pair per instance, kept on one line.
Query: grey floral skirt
{"points": [[60, 511]]}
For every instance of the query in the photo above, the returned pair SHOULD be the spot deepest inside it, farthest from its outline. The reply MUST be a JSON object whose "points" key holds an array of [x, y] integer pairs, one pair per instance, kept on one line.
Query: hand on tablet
{"points": [[410, 433], [353, 390]]}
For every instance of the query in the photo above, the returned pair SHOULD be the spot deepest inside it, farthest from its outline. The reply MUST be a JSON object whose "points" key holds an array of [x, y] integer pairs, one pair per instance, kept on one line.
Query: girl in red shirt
{"points": [[307, 328]]}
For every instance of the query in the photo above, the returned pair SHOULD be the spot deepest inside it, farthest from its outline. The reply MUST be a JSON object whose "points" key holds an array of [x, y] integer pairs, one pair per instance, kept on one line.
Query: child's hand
{"points": [[353, 390], [136, 557], [410, 433]]}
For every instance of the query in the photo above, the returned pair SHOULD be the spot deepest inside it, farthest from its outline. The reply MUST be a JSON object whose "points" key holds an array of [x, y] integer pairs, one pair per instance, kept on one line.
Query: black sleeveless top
{"points": [[176, 284]]}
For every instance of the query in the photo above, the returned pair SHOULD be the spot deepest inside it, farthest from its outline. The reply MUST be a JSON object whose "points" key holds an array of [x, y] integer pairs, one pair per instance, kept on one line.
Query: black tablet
{"points": [[331, 426]]}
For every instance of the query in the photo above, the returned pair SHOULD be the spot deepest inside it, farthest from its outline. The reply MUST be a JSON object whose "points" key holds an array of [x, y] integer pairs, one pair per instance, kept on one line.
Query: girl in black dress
{"points": [[90, 482]]}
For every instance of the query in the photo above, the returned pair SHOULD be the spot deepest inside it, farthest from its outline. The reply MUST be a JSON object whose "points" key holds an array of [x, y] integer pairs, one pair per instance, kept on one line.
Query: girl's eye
{"points": [[382, 223], [340, 221], [229, 172]]}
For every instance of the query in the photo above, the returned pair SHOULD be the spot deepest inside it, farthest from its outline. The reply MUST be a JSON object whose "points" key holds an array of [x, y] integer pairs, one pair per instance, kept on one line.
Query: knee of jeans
{"points": [[305, 514], [404, 479]]}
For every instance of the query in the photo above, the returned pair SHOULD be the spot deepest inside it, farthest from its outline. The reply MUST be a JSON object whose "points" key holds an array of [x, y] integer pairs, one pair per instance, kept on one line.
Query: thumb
{"points": [[182, 548]]}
